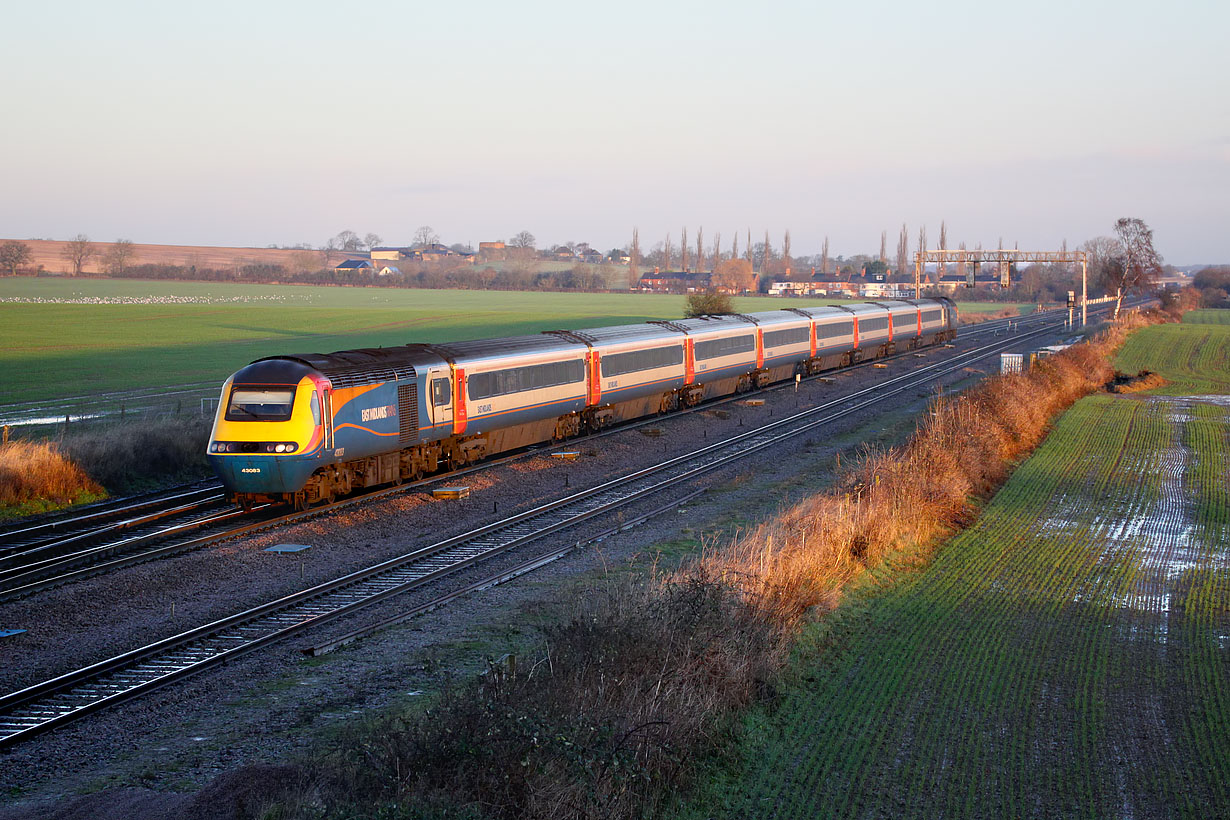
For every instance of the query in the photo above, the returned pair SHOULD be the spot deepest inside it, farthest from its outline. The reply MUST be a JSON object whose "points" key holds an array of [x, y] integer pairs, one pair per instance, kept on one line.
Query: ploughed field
{"points": [[1067, 655], [63, 337]]}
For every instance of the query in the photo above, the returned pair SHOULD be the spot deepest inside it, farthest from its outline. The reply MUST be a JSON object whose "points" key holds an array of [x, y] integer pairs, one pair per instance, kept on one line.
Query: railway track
{"points": [[52, 703], [72, 547]]}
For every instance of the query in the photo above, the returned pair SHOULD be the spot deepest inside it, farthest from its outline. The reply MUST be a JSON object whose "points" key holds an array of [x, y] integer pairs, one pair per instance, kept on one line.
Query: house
{"points": [[563, 252], [435, 252], [354, 266], [619, 257], [492, 251], [673, 282], [388, 254], [389, 270], [885, 290], [814, 287], [950, 282]]}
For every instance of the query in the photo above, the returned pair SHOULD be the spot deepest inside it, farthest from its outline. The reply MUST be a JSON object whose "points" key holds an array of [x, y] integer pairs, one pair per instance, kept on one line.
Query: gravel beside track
{"points": [[269, 705]]}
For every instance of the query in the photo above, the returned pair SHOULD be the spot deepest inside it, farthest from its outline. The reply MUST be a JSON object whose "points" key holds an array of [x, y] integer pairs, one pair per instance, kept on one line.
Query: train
{"points": [[305, 429]]}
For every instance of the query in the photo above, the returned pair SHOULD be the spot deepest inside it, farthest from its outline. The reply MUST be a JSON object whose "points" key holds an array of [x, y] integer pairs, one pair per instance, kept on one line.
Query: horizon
{"points": [[285, 123]]}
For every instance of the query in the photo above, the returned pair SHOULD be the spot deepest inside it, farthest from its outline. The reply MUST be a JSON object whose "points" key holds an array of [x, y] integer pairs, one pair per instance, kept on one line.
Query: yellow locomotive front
{"points": [[269, 429]]}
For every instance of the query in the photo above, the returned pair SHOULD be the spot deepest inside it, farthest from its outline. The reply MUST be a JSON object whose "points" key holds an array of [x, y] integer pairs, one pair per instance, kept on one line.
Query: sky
{"points": [[259, 123]]}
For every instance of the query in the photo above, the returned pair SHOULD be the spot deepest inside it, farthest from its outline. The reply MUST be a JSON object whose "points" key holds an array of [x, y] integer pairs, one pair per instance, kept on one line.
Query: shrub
{"points": [[708, 303]]}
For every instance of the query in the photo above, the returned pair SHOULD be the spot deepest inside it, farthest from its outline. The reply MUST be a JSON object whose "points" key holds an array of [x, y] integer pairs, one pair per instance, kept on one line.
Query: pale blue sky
{"points": [[250, 123]]}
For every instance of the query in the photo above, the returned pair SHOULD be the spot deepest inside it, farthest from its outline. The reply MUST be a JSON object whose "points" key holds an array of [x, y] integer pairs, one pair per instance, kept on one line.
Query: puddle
{"points": [[1162, 539]]}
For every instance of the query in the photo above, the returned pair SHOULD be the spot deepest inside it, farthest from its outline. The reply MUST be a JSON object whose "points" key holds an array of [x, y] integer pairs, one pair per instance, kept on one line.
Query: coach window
{"points": [[315, 405], [440, 393]]}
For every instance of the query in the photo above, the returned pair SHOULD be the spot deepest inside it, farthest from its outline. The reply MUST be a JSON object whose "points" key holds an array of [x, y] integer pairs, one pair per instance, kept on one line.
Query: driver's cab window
{"points": [[441, 394]]}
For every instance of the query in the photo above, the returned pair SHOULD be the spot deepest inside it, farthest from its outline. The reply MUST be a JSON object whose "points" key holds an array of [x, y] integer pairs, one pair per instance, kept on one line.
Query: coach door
{"points": [[440, 392]]}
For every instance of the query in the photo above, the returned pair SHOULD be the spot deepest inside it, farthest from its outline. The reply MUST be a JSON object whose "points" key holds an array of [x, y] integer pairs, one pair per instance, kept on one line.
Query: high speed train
{"points": [[304, 429]]}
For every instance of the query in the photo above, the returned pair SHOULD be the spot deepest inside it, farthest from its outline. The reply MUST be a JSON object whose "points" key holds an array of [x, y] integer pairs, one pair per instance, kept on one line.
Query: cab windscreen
{"points": [[260, 404]]}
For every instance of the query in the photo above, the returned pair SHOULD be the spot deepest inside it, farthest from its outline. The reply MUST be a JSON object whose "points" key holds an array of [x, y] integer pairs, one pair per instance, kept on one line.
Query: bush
{"points": [[708, 303]]}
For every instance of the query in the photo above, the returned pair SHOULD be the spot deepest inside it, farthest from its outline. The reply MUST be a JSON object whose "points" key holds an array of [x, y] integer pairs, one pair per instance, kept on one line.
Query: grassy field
{"points": [[1194, 356], [1207, 317], [66, 337], [1066, 656], [1063, 657]]}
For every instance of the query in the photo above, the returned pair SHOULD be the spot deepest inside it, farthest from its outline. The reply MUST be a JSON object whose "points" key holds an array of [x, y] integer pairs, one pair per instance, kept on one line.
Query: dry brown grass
{"points": [[911, 498], [38, 472]]}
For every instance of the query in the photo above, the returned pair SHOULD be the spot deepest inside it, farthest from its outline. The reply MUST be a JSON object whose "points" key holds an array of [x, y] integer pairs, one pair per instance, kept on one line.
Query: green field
{"points": [[1207, 317], [72, 337], [1193, 357], [1066, 656]]}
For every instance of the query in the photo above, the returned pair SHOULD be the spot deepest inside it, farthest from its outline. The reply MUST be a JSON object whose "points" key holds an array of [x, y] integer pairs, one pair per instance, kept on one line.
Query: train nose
{"points": [[259, 474]]}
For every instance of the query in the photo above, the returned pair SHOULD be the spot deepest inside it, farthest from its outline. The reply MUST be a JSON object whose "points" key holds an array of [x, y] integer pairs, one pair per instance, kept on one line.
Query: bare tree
{"points": [[922, 248], [1137, 265], [734, 246], [787, 262], [903, 249], [372, 240], [884, 247], [1061, 268], [524, 239], [634, 263], [668, 253], [349, 241], [425, 236], [77, 251], [943, 267], [750, 254], [683, 249], [824, 257], [734, 275], [717, 251], [700, 249], [768, 253], [13, 255], [118, 256]]}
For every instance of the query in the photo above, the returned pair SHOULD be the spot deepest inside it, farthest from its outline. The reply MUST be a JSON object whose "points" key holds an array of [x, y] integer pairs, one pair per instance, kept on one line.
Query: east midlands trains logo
{"points": [[376, 413]]}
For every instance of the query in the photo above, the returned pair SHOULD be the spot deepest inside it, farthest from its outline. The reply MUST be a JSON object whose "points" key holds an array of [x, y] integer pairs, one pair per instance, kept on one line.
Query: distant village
{"points": [[387, 261]]}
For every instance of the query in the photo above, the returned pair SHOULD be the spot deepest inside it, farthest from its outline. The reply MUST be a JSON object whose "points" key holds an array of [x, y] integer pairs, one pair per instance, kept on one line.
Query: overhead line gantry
{"points": [[1004, 258]]}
